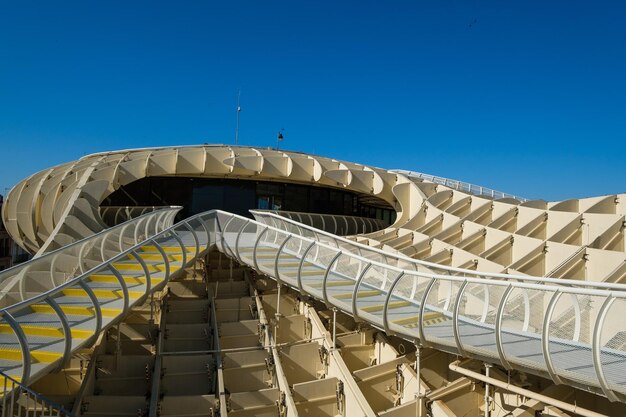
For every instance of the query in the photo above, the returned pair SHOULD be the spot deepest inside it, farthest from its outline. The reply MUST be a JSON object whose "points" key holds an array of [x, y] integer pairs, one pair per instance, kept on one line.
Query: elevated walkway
{"points": [[513, 321]]}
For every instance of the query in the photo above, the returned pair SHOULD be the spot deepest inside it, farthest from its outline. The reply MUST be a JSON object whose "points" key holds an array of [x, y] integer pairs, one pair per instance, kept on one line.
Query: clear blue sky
{"points": [[521, 96]]}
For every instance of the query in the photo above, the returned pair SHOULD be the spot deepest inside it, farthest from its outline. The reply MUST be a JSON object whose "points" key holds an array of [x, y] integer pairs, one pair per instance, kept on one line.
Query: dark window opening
{"points": [[238, 196]]}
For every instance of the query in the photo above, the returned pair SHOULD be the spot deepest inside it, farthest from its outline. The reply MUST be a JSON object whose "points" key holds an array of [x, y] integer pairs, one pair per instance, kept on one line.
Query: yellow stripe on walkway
{"points": [[380, 307], [47, 331], [37, 355], [102, 293], [77, 310]]}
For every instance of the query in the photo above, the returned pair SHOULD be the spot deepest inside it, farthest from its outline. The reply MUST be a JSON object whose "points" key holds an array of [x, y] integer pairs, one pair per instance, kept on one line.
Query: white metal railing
{"points": [[403, 261], [30, 284], [336, 224], [56, 267], [460, 185], [17, 399], [514, 322], [114, 215]]}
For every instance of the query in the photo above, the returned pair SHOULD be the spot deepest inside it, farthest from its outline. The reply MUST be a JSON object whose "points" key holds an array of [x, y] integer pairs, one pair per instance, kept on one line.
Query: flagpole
{"points": [[238, 111]]}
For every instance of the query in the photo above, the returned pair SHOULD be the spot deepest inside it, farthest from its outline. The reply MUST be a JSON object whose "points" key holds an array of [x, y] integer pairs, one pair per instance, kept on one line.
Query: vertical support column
{"points": [[118, 345], [277, 315], [487, 387], [155, 389], [418, 372], [219, 389], [334, 328]]}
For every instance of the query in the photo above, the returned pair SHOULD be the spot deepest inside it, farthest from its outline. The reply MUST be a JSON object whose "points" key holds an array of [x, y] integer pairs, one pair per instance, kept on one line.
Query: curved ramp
{"points": [[569, 331]]}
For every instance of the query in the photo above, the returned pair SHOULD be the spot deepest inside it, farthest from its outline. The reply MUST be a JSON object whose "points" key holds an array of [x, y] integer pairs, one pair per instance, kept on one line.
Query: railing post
{"points": [[596, 349], [183, 248], [195, 238], [166, 259], [325, 281], [21, 338], [80, 257], [280, 248], [203, 222], [96, 307], [147, 231], [237, 254], [123, 286], [136, 237], [498, 326], [256, 244], [455, 318], [386, 304], [420, 318], [336, 225], [545, 337], [67, 332], [145, 270], [302, 259], [223, 233], [121, 237], [355, 313]]}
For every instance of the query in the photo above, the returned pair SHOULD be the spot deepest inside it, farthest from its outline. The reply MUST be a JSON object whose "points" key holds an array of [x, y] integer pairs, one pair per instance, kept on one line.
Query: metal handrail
{"points": [[12, 391], [460, 185], [568, 286], [127, 212], [16, 276], [336, 224], [98, 268], [420, 293], [355, 272], [7, 314], [95, 235], [360, 247]]}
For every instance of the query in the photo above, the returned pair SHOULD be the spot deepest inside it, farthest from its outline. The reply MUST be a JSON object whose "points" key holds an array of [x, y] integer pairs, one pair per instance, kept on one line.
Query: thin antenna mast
{"points": [[279, 138], [238, 111]]}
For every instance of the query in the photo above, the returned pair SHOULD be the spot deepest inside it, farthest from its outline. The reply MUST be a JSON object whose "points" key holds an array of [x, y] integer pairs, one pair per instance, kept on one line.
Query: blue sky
{"points": [[521, 96]]}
